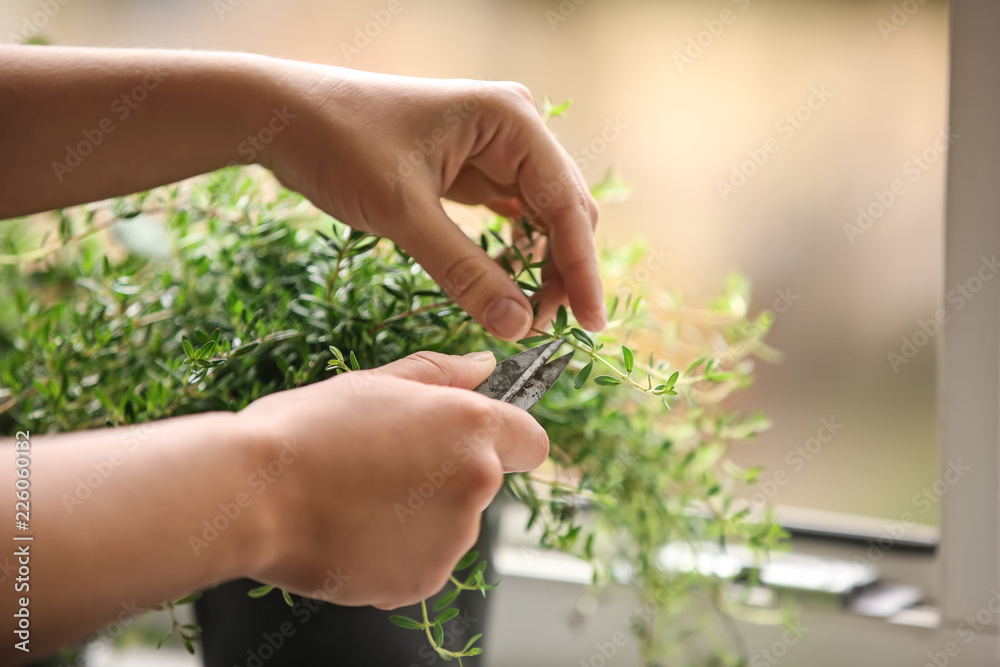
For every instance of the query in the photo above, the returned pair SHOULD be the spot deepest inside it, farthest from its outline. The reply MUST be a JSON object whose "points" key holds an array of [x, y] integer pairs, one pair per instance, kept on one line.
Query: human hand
{"points": [[367, 441], [378, 152]]}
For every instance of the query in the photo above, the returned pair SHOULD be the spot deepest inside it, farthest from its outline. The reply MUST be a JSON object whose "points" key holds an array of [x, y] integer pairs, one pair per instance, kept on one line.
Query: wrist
{"points": [[246, 535]]}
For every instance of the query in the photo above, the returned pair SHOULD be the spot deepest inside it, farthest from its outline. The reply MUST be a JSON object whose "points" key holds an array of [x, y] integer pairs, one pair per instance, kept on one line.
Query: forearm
{"points": [[113, 514], [81, 124]]}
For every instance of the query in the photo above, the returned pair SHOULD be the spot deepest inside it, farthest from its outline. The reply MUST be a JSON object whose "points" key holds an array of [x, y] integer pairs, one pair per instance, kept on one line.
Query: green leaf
{"points": [[187, 599], [561, 318], [607, 380], [287, 597], [532, 340], [446, 615], [467, 561], [354, 362], [694, 365], [446, 599], [550, 110], [188, 348], [439, 634], [406, 623], [629, 359], [260, 591], [472, 641], [582, 336], [673, 379], [581, 377]]}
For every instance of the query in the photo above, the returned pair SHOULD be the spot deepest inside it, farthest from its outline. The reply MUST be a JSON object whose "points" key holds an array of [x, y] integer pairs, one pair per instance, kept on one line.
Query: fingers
{"points": [[465, 372], [554, 196], [476, 283], [520, 442], [565, 210]]}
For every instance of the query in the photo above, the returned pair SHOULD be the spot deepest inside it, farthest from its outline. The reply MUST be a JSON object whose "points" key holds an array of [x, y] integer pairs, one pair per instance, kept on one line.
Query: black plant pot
{"points": [[239, 631]]}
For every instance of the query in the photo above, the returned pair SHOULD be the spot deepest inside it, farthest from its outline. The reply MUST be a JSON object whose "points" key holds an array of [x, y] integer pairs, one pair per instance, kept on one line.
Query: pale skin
{"points": [[337, 136]]}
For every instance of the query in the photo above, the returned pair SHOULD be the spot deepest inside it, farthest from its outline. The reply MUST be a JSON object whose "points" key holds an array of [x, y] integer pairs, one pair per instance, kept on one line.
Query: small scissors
{"points": [[523, 379]]}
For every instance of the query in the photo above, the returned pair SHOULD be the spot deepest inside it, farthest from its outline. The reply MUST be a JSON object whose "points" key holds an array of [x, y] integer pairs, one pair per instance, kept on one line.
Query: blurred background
{"points": [[752, 132]]}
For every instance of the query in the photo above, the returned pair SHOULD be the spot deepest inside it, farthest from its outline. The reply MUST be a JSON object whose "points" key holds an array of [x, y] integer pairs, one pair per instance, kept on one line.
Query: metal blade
{"points": [[540, 382], [511, 374]]}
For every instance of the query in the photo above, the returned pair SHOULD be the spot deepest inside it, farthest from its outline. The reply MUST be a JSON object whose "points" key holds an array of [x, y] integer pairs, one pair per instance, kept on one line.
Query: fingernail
{"points": [[508, 318], [481, 357]]}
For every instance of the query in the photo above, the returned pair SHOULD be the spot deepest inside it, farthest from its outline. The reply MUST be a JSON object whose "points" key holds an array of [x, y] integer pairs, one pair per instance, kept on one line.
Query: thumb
{"points": [[449, 370], [476, 283]]}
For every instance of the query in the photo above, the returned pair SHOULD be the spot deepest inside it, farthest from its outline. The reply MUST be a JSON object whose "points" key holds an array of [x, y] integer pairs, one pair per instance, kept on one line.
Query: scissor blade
{"points": [[540, 382], [511, 374]]}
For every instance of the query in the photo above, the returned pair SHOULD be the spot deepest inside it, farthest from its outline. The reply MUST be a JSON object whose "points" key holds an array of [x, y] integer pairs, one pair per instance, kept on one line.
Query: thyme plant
{"points": [[209, 294]]}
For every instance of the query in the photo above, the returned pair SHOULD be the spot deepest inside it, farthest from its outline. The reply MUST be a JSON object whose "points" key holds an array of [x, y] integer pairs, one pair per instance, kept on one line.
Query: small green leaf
{"points": [[354, 362], [446, 600], [694, 365], [439, 634], [629, 359], [188, 348], [532, 340], [561, 318], [260, 591], [446, 616], [187, 599], [607, 380], [467, 561], [582, 336], [581, 377], [526, 286], [472, 641], [673, 379], [287, 597], [406, 623]]}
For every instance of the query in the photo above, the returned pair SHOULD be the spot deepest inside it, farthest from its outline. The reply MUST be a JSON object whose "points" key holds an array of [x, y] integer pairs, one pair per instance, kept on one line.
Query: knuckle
{"points": [[432, 360], [516, 93], [464, 274], [481, 480]]}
